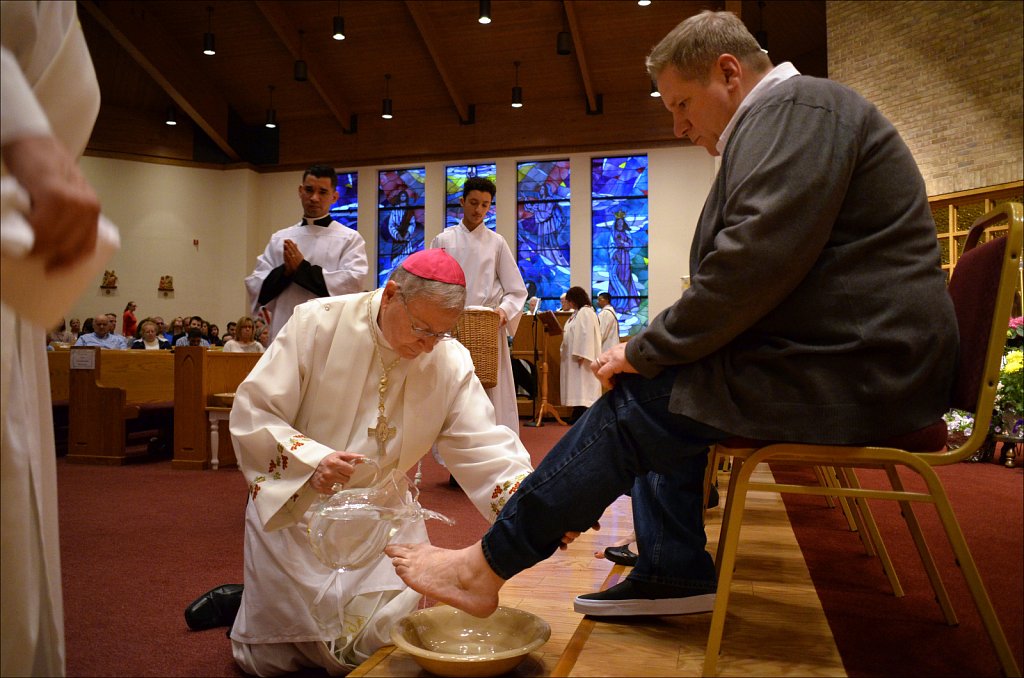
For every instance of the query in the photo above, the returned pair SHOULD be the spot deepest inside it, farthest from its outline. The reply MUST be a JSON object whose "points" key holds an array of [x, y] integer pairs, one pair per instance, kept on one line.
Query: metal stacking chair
{"points": [[982, 289]]}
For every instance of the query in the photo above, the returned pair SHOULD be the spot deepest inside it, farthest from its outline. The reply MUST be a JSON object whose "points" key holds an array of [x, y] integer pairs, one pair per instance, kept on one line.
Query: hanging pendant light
{"points": [[517, 91], [300, 73], [339, 25], [172, 118], [564, 43], [209, 42], [385, 108], [654, 90], [271, 122], [485, 12]]}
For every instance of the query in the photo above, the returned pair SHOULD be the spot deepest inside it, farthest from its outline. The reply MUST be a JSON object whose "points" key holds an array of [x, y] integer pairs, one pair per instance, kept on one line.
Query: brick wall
{"points": [[947, 74]]}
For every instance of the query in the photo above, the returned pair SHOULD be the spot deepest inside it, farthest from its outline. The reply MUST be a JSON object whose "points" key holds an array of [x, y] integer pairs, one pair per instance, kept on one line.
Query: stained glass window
{"points": [[455, 181], [346, 210], [542, 243], [399, 217], [619, 222]]}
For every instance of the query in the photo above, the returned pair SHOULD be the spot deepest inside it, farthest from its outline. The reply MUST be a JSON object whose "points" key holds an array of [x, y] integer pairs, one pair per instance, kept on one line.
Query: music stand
{"points": [[549, 324]]}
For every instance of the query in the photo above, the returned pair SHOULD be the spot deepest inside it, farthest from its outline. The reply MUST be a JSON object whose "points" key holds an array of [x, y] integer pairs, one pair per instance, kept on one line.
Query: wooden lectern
{"points": [[531, 344]]}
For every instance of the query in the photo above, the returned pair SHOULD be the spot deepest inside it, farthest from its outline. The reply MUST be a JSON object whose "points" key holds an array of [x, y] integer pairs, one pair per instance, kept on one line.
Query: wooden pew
{"points": [[199, 375], [59, 380], [107, 389], [59, 393]]}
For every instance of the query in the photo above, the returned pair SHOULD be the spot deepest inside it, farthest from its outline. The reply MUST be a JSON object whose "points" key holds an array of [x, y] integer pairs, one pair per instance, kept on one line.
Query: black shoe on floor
{"points": [[631, 598], [621, 555], [452, 482], [216, 607]]}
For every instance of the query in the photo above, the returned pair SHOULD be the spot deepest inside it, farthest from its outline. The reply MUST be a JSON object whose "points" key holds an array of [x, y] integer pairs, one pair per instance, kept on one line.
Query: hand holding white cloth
{"points": [[26, 286]]}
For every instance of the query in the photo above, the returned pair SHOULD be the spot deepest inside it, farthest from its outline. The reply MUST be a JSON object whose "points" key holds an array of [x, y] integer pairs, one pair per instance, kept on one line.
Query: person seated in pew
{"points": [[818, 313], [194, 323], [214, 336], [102, 335], [246, 341], [150, 339], [369, 375]]}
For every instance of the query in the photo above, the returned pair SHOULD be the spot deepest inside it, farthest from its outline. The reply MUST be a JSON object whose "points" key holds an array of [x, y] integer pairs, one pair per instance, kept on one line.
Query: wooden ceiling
{"points": [[451, 77]]}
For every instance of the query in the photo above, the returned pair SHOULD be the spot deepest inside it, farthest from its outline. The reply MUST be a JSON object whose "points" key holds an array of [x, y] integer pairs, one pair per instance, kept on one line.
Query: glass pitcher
{"points": [[349, 529]]}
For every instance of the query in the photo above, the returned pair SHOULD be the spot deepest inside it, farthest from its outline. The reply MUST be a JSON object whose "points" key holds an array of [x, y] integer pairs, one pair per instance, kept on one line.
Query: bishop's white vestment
{"points": [[493, 280], [581, 338], [338, 251], [609, 325], [47, 88], [316, 391]]}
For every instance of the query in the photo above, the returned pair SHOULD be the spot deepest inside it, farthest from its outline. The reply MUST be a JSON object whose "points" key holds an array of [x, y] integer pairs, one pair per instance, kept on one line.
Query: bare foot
{"points": [[462, 578]]}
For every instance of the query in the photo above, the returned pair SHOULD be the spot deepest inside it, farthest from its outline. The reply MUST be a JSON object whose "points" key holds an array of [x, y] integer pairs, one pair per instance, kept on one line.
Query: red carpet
{"points": [[880, 635], [140, 542]]}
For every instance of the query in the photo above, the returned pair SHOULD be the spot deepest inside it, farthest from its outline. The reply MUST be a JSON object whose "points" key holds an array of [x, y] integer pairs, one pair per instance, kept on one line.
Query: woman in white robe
{"points": [[314, 392], [581, 346], [49, 99]]}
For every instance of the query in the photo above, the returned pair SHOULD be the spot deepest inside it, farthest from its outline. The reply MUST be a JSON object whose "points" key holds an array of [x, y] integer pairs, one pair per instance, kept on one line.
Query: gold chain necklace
{"points": [[382, 433]]}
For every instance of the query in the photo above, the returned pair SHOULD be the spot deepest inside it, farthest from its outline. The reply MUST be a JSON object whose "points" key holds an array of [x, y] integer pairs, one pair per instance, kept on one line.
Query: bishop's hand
{"points": [[335, 468]]}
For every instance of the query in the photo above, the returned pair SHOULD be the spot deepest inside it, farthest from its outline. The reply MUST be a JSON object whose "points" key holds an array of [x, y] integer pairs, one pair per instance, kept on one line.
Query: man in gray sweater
{"points": [[817, 313]]}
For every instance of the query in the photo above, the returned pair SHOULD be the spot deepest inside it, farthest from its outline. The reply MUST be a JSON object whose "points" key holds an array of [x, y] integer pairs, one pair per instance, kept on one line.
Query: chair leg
{"points": [[971, 575], [819, 473], [844, 502], [728, 541], [907, 511], [737, 468], [872, 535]]}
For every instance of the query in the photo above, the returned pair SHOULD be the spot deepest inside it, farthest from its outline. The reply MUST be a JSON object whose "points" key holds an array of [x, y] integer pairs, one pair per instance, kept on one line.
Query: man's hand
{"points": [[570, 537], [336, 467], [502, 318], [292, 257], [612, 362], [64, 209]]}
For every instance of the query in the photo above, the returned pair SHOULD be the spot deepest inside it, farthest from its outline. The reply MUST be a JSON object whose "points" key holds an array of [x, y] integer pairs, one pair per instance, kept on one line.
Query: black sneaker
{"points": [[712, 497], [631, 598]]}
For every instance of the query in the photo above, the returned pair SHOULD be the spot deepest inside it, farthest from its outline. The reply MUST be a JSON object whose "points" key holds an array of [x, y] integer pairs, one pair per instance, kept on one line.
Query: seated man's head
{"points": [[101, 325], [422, 302], [195, 336]]}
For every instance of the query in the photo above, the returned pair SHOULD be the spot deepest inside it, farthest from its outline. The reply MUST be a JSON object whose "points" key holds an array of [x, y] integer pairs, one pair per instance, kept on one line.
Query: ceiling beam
{"points": [[288, 33], [180, 77], [425, 26], [581, 57]]}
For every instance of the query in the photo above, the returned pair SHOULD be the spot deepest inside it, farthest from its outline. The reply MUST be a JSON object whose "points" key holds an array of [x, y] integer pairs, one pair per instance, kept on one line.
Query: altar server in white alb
{"points": [[358, 375], [493, 280], [608, 320], [52, 246], [581, 347], [317, 257]]}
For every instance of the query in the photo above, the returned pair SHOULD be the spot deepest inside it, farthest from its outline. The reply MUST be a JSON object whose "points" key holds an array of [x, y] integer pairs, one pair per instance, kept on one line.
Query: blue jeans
{"points": [[628, 438]]}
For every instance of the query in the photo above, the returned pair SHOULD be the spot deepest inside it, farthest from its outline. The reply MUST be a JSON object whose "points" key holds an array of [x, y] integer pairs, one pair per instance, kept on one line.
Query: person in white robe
{"points": [[492, 280], [317, 257], [581, 346], [608, 320], [308, 409], [52, 246]]}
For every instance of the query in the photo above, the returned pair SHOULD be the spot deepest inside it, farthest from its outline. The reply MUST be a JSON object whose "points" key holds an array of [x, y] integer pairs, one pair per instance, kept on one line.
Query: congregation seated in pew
{"points": [[101, 335]]}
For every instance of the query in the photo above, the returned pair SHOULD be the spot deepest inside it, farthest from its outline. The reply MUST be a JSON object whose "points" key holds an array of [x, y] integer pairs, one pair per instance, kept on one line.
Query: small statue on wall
{"points": [[166, 283], [109, 280]]}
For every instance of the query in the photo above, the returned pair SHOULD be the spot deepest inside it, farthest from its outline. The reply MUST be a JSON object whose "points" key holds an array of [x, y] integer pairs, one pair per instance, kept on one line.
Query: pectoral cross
{"points": [[382, 433]]}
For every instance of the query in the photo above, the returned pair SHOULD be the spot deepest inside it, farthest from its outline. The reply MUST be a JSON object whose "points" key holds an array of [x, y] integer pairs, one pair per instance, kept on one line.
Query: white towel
{"points": [[25, 286]]}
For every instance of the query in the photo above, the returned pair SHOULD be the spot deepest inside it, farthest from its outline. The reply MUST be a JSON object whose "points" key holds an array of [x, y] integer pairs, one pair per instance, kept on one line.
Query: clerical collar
{"points": [[322, 221]]}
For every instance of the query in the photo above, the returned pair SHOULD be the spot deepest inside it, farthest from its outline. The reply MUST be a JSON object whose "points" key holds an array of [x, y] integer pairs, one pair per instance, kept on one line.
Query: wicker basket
{"points": [[478, 331]]}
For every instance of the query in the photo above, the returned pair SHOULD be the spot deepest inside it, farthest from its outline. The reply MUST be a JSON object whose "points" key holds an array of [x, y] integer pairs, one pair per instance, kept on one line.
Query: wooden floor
{"points": [[775, 624]]}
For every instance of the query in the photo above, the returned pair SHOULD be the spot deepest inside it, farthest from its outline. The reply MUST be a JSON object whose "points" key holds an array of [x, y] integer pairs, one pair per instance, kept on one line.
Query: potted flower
{"points": [[1010, 394]]}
